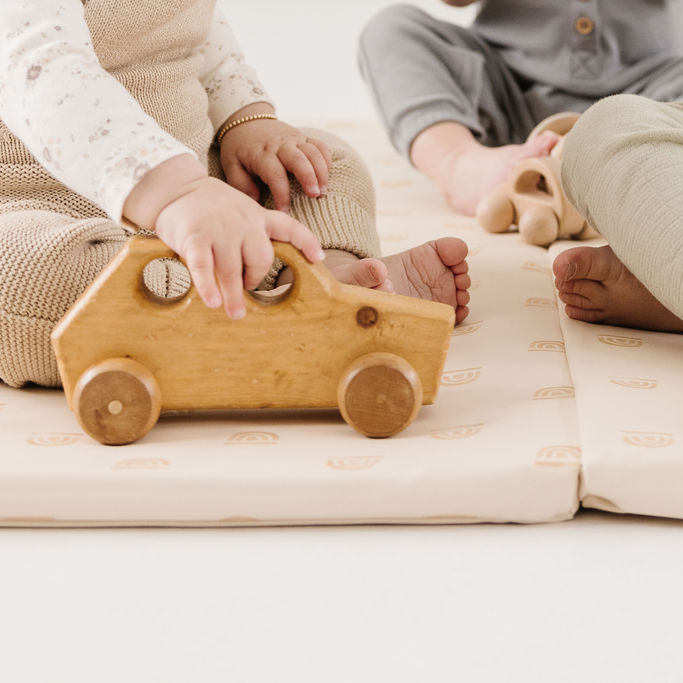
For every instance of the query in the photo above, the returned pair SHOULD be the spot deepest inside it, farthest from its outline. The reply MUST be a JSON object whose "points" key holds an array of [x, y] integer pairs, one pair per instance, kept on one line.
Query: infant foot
{"points": [[367, 272], [465, 179], [596, 287], [436, 271]]}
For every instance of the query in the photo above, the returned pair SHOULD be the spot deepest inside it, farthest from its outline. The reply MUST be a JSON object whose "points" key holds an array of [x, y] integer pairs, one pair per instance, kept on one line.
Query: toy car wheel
{"points": [[496, 213], [379, 394], [539, 225], [117, 401]]}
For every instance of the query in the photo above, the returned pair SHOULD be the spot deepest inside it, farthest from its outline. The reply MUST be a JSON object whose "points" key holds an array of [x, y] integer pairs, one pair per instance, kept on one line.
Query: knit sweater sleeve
{"points": [[78, 121], [229, 81]]}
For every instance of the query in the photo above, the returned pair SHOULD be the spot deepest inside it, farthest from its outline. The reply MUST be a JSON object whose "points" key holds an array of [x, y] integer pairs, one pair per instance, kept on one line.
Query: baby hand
{"points": [[268, 149], [224, 238]]}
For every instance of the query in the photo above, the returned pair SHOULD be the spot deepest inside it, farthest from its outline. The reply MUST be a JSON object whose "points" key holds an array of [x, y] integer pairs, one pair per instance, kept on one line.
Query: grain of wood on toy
{"points": [[125, 355]]}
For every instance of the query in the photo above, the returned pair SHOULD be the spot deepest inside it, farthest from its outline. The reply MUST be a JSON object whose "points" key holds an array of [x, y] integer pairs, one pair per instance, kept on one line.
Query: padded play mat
{"points": [[536, 415]]}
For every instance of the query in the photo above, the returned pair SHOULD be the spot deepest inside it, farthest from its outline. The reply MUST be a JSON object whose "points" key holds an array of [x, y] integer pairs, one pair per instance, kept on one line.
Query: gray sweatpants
{"points": [[421, 71], [622, 167]]}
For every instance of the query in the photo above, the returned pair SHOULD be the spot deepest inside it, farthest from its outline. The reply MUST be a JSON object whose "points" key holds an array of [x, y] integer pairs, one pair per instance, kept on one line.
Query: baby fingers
{"points": [[317, 153], [257, 254], [324, 150], [200, 263], [298, 163], [228, 260], [274, 174], [286, 229], [239, 178]]}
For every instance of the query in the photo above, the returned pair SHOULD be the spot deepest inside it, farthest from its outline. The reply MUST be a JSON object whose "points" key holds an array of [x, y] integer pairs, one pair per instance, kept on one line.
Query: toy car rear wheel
{"points": [[117, 401], [539, 225], [379, 394]]}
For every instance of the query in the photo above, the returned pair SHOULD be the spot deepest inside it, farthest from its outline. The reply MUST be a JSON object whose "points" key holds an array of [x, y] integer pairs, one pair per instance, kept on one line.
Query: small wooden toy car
{"points": [[533, 198], [125, 355]]}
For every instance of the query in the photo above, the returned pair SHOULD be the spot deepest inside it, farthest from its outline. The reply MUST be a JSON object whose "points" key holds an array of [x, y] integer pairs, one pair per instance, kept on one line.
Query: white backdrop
{"points": [[305, 51]]}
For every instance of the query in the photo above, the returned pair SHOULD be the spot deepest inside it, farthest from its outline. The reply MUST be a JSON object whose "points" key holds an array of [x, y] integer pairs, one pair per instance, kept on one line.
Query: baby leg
{"points": [[448, 101], [344, 221], [622, 169], [47, 260]]}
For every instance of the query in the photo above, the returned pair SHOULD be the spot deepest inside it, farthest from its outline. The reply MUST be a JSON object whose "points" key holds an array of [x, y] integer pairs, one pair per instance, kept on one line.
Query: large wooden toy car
{"points": [[125, 355]]}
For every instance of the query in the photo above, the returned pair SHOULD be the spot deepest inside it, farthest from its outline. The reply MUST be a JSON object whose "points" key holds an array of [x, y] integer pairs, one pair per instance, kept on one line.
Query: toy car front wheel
{"points": [[117, 401], [496, 213], [379, 394]]}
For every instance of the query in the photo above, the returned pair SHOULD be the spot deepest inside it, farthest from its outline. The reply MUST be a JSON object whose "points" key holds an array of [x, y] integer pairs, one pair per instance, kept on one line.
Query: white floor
{"points": [[596, 599], [593, 600]]}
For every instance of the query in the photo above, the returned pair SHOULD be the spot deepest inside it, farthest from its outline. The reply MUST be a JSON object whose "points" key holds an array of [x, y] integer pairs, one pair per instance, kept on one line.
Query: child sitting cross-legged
{"points": [[118, 112]]}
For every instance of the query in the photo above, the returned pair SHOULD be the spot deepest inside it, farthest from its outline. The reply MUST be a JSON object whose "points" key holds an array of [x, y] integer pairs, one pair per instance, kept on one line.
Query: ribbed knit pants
{"points": [[622, 168], [51, 250]]}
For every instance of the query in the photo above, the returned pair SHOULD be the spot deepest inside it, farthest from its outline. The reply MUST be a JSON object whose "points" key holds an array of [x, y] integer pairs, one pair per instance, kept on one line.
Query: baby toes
{"points": [[462, 297], [586, 315], [463, 281]]}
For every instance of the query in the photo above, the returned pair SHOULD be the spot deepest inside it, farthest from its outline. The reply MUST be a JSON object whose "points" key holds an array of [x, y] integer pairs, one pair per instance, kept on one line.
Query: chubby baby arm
{"points": [[259, 150], [222, 234]]}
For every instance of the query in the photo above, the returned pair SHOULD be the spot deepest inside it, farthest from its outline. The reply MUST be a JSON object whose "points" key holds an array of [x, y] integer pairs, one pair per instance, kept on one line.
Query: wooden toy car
{"points": [[533, 198], [125, 355]]}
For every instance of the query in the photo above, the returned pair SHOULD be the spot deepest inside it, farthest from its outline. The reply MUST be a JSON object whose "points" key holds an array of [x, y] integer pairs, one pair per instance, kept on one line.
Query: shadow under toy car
{"points": [[125, 354]]}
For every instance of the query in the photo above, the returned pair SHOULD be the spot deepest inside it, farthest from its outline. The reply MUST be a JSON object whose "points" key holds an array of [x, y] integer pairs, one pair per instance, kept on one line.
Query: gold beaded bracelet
{"points": [[245, 119]]}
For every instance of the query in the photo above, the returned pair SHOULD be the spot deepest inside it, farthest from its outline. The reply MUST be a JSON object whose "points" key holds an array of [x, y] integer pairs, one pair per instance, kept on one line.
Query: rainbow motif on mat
{"points": [[353, 463], [554, 392], [623, 342], [466, 329], [634, 382], [459, 432], [542, 345], [253, 439], [559, 456], [52, 440], [458, 377], [648, 439]]}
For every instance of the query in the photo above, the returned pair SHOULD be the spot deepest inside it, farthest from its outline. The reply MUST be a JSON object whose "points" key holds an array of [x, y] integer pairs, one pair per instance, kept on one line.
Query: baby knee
{"points": [[349, 175], [612, 124], [597, 140], [617, 111], [345, 217]]}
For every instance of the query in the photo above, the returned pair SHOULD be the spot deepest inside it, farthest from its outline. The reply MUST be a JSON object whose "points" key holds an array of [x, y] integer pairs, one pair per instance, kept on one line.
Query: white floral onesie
{"points": [[78, 121]]}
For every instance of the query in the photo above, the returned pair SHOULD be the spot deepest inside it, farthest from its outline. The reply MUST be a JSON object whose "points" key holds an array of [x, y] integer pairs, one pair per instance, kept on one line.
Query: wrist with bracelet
{"points": [[238, 122]]}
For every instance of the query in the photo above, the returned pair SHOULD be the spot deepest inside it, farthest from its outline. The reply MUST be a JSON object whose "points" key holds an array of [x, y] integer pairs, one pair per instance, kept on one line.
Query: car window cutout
{"points": [[166, 280]]}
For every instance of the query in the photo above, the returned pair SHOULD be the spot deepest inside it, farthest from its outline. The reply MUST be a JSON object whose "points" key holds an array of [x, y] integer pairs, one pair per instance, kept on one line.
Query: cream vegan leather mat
{"points": [[506, 439]]}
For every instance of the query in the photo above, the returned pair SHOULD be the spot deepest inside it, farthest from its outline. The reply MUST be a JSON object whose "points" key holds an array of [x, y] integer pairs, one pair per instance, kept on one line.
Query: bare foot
{"points": [[467, 178], [466, 171], [367, 272], [598, 288], [436, 271]]}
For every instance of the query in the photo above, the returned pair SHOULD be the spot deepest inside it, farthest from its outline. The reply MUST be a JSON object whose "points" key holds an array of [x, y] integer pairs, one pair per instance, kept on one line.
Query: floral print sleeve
{"points": [[78, 121], [230, 83]]}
